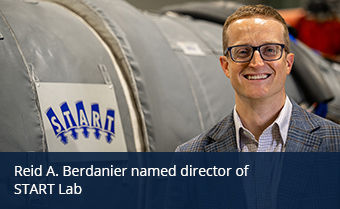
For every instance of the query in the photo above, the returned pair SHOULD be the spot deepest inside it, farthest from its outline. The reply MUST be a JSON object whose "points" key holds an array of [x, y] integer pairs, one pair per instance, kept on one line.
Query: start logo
{"points": [[81, 122]]}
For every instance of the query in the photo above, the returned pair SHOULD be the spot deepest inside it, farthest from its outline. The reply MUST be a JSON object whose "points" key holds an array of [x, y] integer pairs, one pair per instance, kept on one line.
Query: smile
{"points": [[257, 77]]}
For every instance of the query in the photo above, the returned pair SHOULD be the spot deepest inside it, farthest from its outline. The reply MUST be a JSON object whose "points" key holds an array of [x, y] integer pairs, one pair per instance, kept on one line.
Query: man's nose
{"points": [[256, 60]]}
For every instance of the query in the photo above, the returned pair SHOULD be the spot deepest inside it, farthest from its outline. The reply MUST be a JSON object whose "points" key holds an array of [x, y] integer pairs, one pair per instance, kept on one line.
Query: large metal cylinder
{"points": [[104, 76]]}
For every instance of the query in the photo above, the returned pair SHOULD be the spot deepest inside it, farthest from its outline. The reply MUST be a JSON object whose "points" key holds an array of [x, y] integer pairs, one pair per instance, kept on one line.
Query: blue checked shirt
{"points": [[260, 188], [273, 138]]}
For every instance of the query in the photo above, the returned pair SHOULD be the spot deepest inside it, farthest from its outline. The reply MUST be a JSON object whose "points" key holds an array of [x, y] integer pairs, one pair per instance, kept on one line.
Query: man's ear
{"points": [[289, 62], [225, 65]]}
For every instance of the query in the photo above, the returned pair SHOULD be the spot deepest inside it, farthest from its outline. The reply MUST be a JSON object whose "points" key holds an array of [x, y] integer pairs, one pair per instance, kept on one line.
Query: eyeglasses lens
{"points": [[268, 52]]}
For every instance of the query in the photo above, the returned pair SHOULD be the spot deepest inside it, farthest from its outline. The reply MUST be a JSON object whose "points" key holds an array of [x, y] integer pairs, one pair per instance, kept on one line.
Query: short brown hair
{"points": [[255, 11]]}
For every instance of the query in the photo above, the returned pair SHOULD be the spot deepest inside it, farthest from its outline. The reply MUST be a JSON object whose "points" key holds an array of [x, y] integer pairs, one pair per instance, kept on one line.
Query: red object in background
{"points": [[321, 36]]}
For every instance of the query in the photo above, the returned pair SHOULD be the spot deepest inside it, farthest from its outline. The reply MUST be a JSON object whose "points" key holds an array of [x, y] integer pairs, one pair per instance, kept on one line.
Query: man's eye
{"points": [[243, 52], [269, 50]]}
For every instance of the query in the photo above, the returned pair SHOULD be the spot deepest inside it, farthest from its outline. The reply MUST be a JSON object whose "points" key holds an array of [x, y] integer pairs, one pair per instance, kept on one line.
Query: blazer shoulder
{"points": [[306, 126], [314, 122], [198, 143], [195, 144]]}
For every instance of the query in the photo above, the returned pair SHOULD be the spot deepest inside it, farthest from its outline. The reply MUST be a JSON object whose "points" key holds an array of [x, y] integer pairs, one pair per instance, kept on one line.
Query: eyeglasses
{"points": [[244, 53]]}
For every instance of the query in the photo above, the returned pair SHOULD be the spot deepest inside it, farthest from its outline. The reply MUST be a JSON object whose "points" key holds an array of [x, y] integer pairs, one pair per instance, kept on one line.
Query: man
{"points": [[257, 61]]}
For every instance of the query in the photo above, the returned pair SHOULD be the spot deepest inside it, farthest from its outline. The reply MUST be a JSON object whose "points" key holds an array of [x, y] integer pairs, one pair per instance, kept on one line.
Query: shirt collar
{"points": [[282, 121]]}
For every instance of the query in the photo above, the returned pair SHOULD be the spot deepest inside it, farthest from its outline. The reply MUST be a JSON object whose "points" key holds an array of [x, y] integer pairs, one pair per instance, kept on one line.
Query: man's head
{"points": [[249, 11], [257, 60]]}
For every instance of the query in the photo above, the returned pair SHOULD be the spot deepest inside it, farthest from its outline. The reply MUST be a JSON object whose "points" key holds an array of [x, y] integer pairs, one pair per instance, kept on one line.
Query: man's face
{"points": [[257, 79]]}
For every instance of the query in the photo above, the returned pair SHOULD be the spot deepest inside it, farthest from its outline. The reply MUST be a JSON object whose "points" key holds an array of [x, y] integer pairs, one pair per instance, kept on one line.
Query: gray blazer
{"points": [[307, 133], [308, 180]]}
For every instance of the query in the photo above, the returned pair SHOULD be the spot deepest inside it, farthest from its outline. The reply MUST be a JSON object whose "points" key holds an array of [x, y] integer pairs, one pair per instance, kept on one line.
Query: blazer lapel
{"points": [[297, 167], [223, 137], [224, 140], [300, 137]]}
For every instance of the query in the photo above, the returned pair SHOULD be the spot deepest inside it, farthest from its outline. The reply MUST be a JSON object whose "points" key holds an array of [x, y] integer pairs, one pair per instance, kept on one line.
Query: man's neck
{"points": [[257, 115]]}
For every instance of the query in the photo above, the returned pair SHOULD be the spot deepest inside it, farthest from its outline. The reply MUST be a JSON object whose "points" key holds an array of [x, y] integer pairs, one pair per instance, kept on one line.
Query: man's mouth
{"points": [[257, 77]]}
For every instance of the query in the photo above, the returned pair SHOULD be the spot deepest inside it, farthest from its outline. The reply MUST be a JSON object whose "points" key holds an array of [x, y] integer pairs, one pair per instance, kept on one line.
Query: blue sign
{"points": [[82, 123]]}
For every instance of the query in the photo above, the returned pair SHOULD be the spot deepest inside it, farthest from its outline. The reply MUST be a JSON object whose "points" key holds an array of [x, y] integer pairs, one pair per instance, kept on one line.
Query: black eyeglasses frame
{"points": [[283, 46]]}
